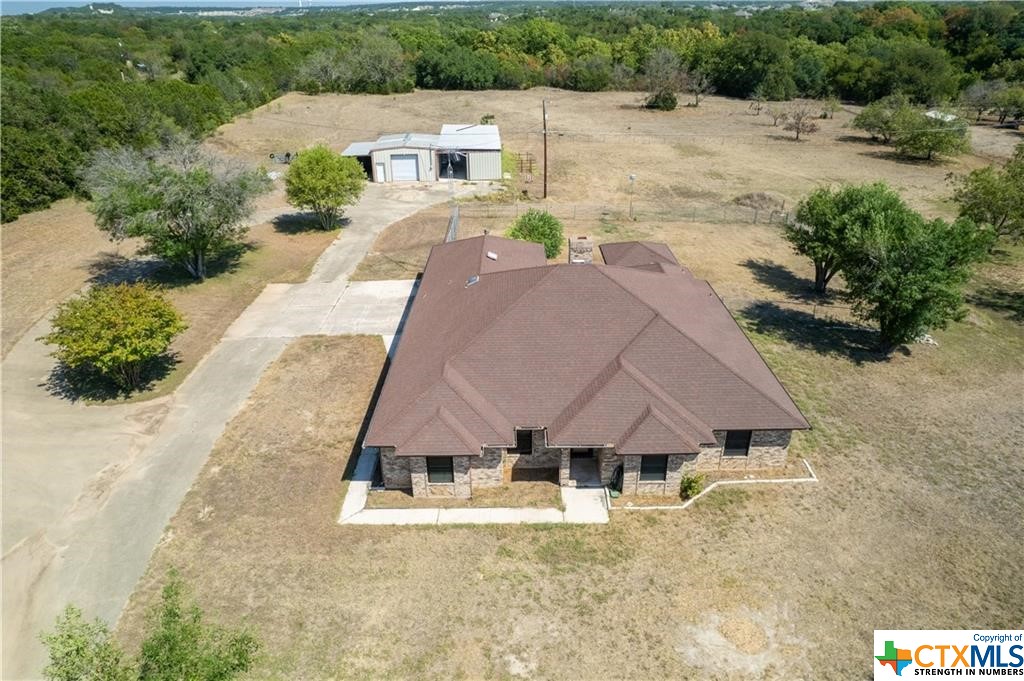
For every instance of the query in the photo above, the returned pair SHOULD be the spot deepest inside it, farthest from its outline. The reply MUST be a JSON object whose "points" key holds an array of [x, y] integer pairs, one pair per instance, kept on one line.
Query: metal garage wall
{"points": [[483, 165], [428, 173]]}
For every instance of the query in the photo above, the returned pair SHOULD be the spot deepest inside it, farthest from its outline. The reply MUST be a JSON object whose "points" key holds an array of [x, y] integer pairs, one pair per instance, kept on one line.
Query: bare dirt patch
{"points": [[47, 256]]}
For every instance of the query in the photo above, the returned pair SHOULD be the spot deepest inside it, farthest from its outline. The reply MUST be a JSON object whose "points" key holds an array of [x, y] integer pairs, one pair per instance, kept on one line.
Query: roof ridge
{"points": [[591, 390], [709, 354], [648, 384], [729, 368], [494, 418], [632, 427], [455, 354], [584, 396], [460, 430]]}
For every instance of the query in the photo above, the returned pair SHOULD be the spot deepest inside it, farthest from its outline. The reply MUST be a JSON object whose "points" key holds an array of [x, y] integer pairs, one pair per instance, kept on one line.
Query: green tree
{"points": [[907, 274], [919, 134], [117, 330], [828, 222], [324, 182], [83, 651], [1009, 103], [180, 645], [376, 65], [540, 227], [882, 118], [186, 204], [994, 197]]}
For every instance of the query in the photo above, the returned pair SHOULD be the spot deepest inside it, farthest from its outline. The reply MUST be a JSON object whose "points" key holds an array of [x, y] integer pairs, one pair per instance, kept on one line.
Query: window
{"points": [[653, 468], [737, 443], [440, 469], [524, 442]]}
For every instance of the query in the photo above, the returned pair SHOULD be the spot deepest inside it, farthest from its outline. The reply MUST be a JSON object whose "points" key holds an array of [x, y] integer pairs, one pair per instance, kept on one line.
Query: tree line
{"points": [[73, 82]]}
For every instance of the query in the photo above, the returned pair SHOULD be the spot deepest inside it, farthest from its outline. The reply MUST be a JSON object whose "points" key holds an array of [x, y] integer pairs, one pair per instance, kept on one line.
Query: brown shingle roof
{"points": [[648, 360], [637, 254]]}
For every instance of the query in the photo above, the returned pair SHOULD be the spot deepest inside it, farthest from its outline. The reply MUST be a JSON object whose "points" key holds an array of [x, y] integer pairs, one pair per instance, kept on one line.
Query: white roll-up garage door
{"points": [[404, 167]]}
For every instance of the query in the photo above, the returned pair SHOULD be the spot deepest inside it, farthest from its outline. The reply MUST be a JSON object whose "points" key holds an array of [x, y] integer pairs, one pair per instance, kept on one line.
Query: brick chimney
{"points": [[581, 250]]}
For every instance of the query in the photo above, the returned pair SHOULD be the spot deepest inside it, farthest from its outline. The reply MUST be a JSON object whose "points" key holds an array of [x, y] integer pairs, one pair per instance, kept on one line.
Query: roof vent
{"points": [[472, 280], [491, 255]]}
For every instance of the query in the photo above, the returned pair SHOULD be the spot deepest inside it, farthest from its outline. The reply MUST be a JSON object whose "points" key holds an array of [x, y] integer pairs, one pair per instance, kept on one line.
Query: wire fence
{"points": [[664, 212], [453, 224]]}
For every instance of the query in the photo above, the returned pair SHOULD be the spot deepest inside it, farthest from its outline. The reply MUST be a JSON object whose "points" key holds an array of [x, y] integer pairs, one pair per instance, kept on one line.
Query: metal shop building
{"points": [[464, 152]]}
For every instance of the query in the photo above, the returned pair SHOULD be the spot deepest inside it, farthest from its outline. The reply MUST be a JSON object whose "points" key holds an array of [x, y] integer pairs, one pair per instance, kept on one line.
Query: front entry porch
{"points": [[583, 468]]}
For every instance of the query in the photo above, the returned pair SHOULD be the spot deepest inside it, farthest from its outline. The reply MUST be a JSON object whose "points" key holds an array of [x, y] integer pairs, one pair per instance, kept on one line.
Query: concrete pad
{"points": [[498, 516], [373, 307], [394, 516], [586, 505], [359, 486]]}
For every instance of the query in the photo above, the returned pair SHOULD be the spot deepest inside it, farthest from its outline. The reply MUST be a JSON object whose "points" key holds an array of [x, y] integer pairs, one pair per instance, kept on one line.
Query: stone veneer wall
{"points": [[486, 470], [394, 469], [768, 449], [541, 455], [461, 488], [678, 464]]}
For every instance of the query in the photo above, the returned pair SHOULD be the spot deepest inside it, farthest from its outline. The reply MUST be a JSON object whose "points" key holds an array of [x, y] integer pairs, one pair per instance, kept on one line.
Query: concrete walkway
{"points": [[88, 491], [582, 506]]}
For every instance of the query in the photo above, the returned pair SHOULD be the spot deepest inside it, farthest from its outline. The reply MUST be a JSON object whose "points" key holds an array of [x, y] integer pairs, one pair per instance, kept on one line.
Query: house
{"points": [[467, 151], [508, 363]]}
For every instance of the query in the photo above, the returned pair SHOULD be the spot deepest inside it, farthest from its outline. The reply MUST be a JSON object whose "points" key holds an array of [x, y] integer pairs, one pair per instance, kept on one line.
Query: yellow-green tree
{"points": [[117, 330], [324, 182]]}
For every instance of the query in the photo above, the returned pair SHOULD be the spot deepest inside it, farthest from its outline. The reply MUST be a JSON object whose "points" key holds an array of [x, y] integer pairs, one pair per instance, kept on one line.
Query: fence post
{"points": [[755, 216]]}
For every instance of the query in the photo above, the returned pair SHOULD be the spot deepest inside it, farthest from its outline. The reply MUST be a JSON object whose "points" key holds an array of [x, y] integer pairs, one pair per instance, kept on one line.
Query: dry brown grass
{"points": [[533, 494], [915, 524], [712, 153]]}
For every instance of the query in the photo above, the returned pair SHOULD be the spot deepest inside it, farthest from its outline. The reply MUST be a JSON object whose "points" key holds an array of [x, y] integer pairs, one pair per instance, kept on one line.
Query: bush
{"points": [[690, 486], [662, 101], [540, 227], [117, 330], [178, 645]]}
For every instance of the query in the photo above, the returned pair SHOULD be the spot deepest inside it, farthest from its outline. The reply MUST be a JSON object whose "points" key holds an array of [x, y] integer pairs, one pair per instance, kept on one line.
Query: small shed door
{"points": [[381, 174], [404, 167]]}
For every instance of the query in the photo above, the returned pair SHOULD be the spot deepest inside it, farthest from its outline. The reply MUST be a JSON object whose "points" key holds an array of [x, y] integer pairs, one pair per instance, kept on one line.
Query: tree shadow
{"points": [[897, 157], [785, 138], [782, 279], [113, 268], [1010, 303], [828, 337], [87, 383], [299, 223], [860, 139]]}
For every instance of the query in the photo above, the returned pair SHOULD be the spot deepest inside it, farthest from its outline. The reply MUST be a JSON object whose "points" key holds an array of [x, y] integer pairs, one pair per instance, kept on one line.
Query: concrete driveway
{"points": [[88, 490]]}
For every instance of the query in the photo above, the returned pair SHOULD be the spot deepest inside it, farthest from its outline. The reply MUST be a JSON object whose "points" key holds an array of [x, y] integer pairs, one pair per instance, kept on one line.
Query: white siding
{"points": [[428, 172], [483, 165]]}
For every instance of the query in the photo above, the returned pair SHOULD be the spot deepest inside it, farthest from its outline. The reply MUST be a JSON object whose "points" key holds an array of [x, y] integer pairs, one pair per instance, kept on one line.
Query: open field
{"points": [[713, 153], [915, 523]]}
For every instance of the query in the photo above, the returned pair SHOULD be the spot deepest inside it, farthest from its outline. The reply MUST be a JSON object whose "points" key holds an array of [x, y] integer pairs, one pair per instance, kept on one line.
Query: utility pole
{"points": [[545, 105]]}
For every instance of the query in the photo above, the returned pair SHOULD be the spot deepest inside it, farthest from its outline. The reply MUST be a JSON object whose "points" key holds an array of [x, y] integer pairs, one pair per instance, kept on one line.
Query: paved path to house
{"points": [[582, 506], [88, 490]]}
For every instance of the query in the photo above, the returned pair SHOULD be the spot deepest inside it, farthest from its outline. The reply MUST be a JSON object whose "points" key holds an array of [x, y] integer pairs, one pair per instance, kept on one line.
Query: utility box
{"points": [[581, 250]]}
